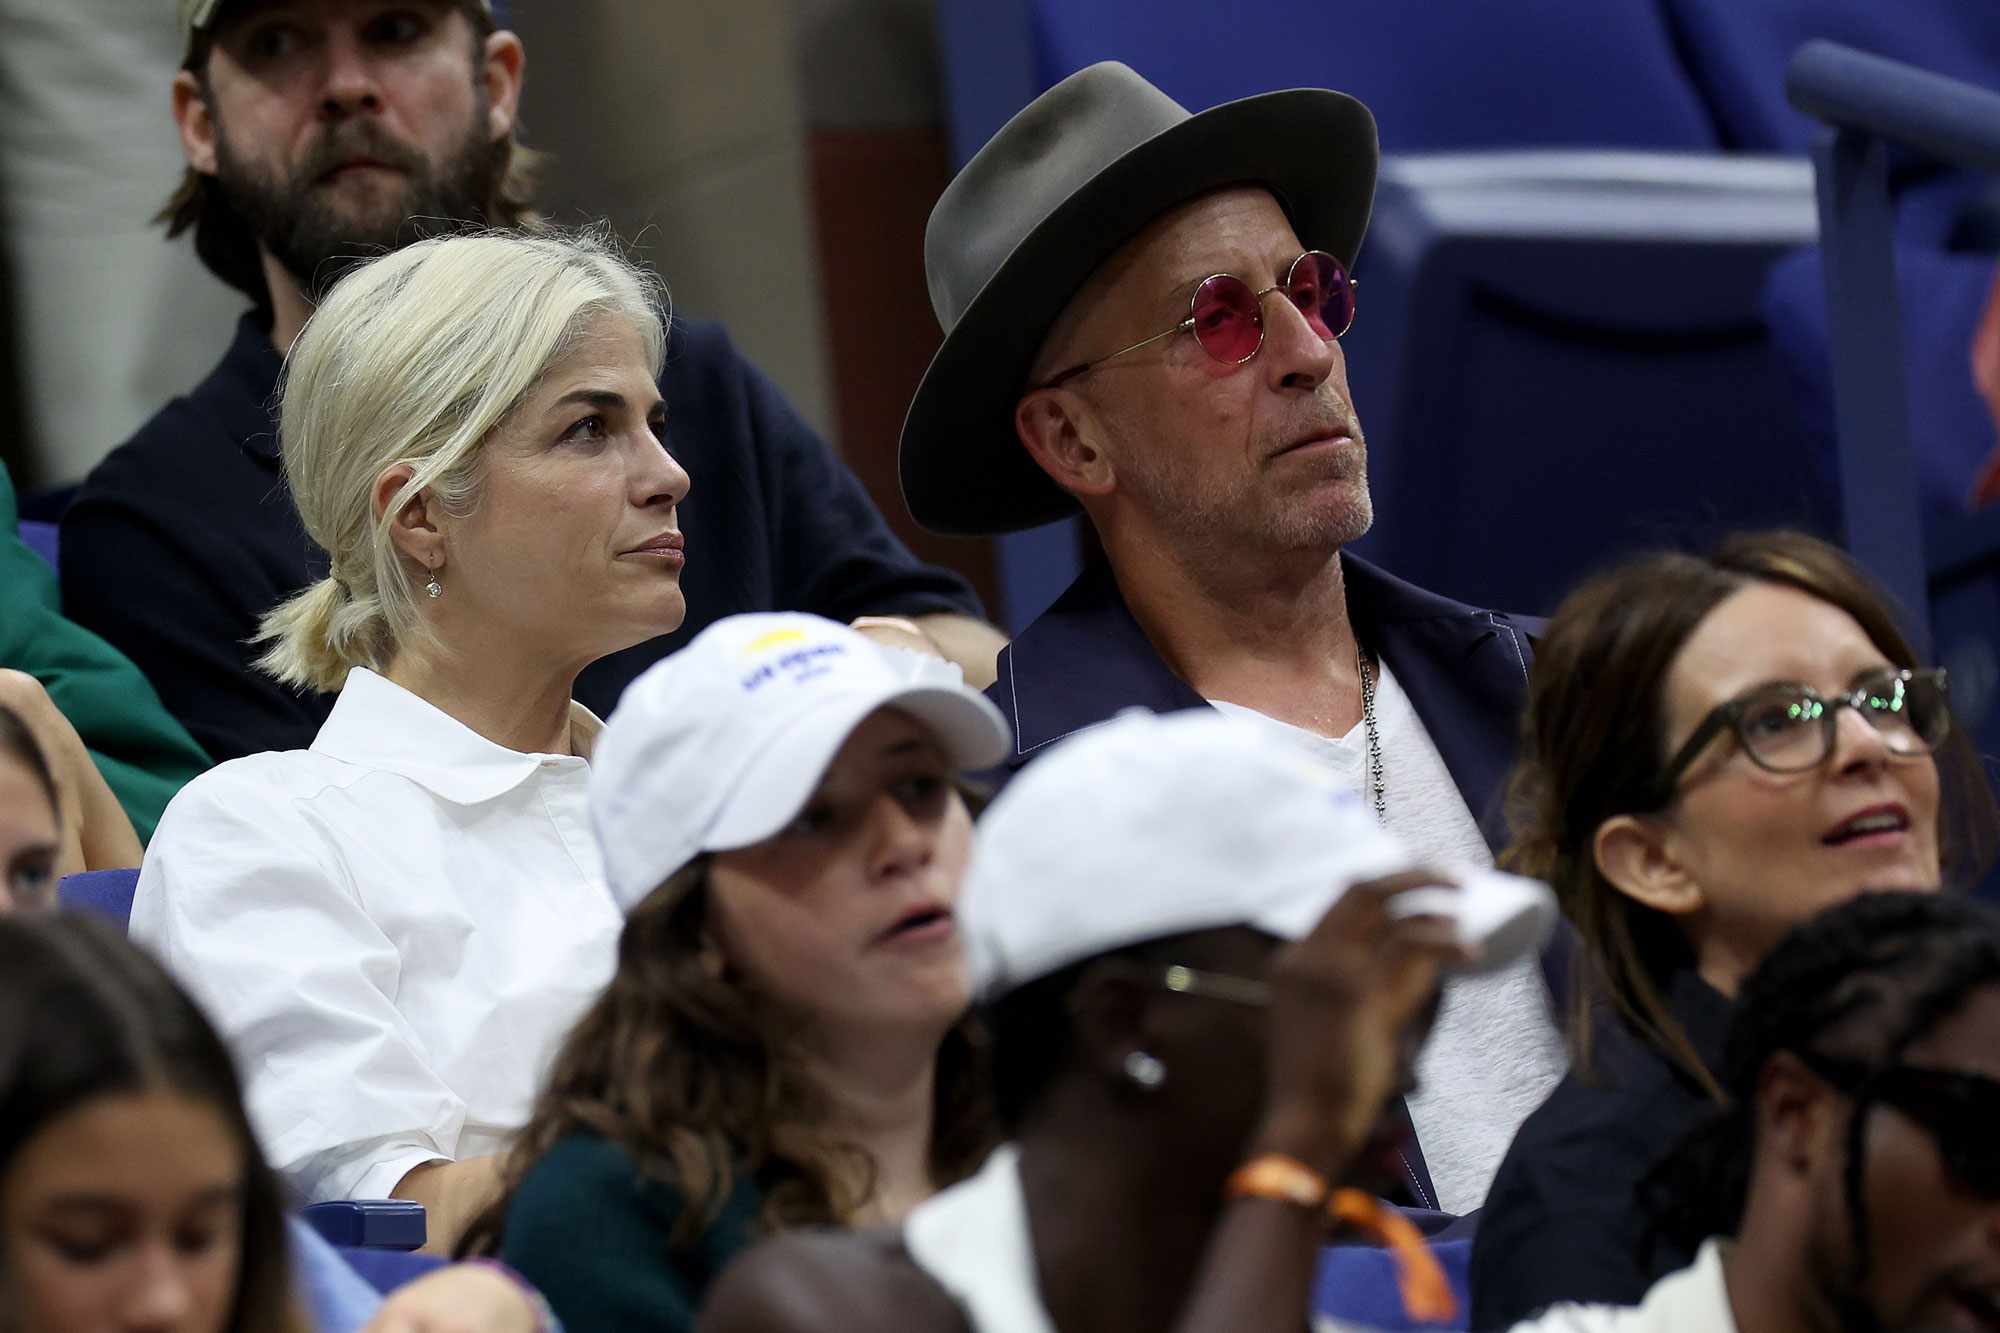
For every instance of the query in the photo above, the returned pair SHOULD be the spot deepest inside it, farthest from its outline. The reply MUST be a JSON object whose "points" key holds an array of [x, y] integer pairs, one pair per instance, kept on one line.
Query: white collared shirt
{"points": [[1693, 1300], [393, 929]]}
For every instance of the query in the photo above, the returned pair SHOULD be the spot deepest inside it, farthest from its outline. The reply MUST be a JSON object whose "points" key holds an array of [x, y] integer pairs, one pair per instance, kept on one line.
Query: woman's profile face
{"points": [[29, 839], [573, 549], [845, 917], [124, 1213], [1769, 849]]}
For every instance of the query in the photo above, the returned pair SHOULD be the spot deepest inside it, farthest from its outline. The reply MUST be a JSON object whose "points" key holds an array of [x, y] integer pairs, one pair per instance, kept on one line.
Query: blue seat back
{"points": [[106, 891], [42, 539], [1452, 74], [1357, 1284]]}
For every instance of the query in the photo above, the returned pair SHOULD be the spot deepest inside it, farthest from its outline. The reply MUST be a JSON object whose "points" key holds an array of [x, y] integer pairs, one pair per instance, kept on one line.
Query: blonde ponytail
{"points": [[318, 635]]}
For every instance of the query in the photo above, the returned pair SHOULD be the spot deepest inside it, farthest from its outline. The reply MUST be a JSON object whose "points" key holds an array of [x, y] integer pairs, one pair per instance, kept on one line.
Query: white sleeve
{"points": [[247, 901]]}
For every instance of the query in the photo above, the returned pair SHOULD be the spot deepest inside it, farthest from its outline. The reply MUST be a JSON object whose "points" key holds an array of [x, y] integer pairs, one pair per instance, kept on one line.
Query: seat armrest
{"points": [[372, 1224]]}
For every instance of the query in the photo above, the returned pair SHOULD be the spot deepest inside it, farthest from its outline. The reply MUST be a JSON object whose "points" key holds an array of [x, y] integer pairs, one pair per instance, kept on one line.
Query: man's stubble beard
{"points": [[1223, 526], [317, 241]]}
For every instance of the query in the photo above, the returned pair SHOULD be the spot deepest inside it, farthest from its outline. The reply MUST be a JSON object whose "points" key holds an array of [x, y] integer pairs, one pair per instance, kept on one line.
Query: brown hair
{"points": [[224, 240], [84, 1014], [1594, 746], [692, 1075]]}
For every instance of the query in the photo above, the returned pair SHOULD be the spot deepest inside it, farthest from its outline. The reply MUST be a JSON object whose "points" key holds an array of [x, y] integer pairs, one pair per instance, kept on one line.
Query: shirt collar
{"points": [[378, 724]]}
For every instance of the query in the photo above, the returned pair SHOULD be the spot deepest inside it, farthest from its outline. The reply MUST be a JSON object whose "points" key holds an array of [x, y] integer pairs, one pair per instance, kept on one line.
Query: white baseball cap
{"points": [[1148, 826], [720, 745]]}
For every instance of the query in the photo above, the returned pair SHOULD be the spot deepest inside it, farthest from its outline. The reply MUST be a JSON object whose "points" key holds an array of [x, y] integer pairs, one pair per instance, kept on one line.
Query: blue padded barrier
{"points": [[106, 891]]}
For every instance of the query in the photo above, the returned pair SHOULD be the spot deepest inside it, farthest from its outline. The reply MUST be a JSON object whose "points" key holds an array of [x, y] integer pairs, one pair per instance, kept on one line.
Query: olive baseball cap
{"points": [[200, 16]]}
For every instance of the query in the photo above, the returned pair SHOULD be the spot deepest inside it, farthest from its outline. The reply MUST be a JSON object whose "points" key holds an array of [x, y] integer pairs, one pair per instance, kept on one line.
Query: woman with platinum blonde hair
{"points": [[395, 926]]}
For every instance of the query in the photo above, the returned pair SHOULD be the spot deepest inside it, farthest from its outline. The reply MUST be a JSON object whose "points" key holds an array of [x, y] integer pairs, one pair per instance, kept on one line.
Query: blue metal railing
{"points": [[1869, 102]]}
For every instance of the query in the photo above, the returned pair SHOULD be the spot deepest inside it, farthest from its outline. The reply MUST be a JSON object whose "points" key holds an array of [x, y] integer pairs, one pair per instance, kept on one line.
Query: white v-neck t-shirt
{"points": [[1495, 1052]]}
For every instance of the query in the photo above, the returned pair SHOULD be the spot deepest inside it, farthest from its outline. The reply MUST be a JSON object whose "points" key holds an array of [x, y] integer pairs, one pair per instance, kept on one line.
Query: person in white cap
{"points": [[1205, 970], [783, 1043]]}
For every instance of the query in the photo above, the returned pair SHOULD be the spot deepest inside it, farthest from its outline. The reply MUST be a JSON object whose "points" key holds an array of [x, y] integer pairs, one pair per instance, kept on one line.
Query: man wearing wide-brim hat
{"points": [[1142, 311]]}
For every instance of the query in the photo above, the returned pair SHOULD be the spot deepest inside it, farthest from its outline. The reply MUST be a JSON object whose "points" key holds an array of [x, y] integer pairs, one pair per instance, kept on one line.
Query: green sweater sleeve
{"points": [[593, 1235], [143, 753]]}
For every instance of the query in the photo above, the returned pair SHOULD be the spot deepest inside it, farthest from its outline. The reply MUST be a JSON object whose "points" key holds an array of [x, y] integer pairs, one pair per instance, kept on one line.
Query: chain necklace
{"points": [[1374, 739]]}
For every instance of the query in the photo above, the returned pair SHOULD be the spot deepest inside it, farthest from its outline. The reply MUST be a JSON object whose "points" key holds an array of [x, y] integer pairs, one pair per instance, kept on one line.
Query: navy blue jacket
{"points": [[185, 536], [1465, 672], [1563, 1221]]}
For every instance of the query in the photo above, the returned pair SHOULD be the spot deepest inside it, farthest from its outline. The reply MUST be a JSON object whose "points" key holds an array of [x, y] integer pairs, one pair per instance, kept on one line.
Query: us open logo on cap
{"points": [[795, 664]]}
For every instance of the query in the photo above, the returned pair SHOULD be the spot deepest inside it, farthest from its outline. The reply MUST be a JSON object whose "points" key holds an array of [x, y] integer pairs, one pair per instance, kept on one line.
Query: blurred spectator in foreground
{"points": [[132, 1192], [31, 828]]}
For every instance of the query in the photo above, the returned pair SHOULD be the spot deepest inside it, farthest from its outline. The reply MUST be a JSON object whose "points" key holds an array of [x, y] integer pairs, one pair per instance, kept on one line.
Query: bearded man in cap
{"points": [[321, 132], [1143, 311]]}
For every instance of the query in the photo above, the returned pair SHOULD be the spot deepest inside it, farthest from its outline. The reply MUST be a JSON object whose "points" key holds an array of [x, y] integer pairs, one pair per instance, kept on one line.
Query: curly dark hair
{"points": [[1594, 745], [692, 1074], [1850, 989]]}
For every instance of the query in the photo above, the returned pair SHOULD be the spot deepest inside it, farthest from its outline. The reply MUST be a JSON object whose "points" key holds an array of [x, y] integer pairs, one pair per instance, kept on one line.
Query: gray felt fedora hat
{"points": [[1073, 176]]}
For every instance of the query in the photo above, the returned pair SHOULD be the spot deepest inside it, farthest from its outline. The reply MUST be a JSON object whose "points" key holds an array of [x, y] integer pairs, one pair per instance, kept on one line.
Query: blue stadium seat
{"points": [[1449, 75], [1939, 296], [41, 538], [1357, 1284], [1560, 358], [386, 1270], [106, 891]]}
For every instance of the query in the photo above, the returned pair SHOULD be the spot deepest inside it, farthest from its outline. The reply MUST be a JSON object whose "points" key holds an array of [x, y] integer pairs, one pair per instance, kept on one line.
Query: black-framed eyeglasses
{"points": [[1957, 1109], [1214, 986], [1789, 728], [1226, 314]]}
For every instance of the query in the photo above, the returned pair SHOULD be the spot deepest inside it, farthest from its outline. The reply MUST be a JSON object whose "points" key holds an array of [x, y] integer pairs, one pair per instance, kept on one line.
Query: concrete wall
{"points": [[681, 123]]}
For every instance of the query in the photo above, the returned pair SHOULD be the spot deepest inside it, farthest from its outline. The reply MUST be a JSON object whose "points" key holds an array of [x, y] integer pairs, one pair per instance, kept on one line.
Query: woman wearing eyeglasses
{"points": [[1716, 748]]}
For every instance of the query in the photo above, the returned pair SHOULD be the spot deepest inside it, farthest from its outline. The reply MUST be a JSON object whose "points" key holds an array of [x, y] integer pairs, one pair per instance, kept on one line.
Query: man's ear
{"points": [[413, 526], [1636, 854], [1053, 426], [195, 121], [1796, 1116], [504, 64]]}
